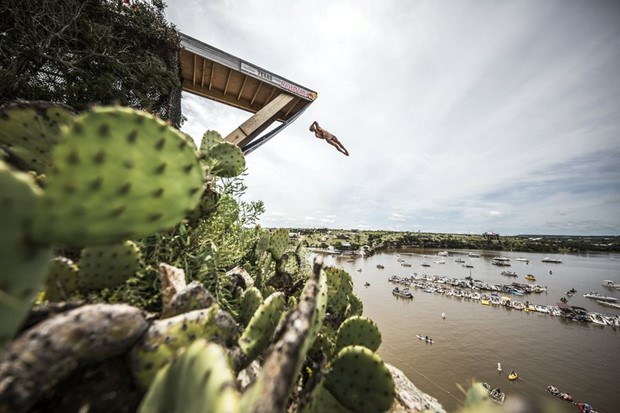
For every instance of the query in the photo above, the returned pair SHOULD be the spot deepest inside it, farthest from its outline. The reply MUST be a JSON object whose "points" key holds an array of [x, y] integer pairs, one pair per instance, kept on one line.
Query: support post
{"points": [[251, 128]]}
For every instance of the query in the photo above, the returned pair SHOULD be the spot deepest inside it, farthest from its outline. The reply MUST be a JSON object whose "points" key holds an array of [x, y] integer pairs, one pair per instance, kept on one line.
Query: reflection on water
{"points": [[580, 358]]}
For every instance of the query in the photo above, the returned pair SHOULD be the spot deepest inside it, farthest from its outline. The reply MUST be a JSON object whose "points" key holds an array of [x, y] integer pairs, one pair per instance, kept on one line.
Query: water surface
{"points": [[580, 358]]}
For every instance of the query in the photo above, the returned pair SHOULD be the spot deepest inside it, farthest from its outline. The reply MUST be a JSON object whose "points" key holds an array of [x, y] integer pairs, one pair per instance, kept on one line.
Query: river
{"points": [[580, 358]]}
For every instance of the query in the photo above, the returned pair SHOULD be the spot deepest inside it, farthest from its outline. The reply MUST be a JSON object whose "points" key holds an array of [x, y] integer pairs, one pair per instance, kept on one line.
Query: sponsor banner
{"points": [[276, 81]]}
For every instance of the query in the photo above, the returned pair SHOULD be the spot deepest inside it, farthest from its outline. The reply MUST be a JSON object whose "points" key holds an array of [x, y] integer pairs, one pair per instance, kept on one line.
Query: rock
{"points": [[409, 398]]}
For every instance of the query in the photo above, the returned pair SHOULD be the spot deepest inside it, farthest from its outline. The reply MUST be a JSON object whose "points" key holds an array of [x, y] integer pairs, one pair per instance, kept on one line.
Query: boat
{"points": [[473, 255], [424, 264], [501, 261], [600, 297], [611, 284], [443, 253], [597, 318], [440, 262], [522, 259], [366, 284], [518, 305], [557, 393], [497, 395], [402, 292], [468, 266], [459, 260], [405, 264], [608, 304], [379, 266], [509, 273], [551, 260], [513, 376], [541, 309], [425, 338], [530, 277], [485, 301], [585, 408]]}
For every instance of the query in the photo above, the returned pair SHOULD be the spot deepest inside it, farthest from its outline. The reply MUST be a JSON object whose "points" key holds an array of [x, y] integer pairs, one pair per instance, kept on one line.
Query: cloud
{"points": [[498, 116]]}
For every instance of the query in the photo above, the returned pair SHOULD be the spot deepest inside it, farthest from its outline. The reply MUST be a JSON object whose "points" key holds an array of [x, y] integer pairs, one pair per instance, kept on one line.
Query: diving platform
{"points": [[214, 74]]}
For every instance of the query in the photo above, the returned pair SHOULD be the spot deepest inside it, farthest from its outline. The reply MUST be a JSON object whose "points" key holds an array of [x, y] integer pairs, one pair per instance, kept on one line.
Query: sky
{"points": [[459, 116]]}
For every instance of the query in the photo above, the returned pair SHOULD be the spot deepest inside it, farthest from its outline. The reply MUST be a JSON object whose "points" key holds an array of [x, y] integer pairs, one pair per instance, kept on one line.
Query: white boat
{"points": [[497, 395], [425, 338], [522, 259], [440, 262], [541, 309], [459, 260], [509, 273], [597, 318], [611, 284], [501, 261], [600, 297], [443, 253], [552, 260], [402, 292], [405, 264], [608, 304], [518, 305], [495, 300], [473, 254]]}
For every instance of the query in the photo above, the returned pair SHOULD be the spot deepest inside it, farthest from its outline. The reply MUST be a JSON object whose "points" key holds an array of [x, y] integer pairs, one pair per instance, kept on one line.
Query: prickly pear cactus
{"points": [[23, 263], [278, 243], [117, 174], [209, 140], [263, 244], [357, 381], [108, 266], [250, 301], [62, 279], [340, 289], [206, 206], [356, 307], [29, 131], [199, 380], [228, 159], [261, 327], [164, 337], [360, 331]]}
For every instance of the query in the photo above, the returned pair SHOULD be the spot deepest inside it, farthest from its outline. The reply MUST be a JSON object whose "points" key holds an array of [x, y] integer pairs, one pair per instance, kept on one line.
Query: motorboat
{"points": [[501, 261], [611, 284], [496, 394], [424, 264], [425, 338], [518, 305], [600, 297], [608, 304], [443, 253], [495, 300], [509, 273], [402, 292], [597, 318], [440, 262], [530, 277], [379, 266], [551, 260], [541, 309], [405, 264], [473, 255], [459, 260], [522, 259]]}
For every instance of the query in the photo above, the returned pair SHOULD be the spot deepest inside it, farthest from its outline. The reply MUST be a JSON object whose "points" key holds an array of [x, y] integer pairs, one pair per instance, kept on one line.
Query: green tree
{"points": [[84, 52]]}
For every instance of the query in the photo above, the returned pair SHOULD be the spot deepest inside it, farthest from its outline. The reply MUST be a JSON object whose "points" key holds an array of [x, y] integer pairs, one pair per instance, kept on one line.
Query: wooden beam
{"points": [[256, 93], [194, 72], [245, 79], [211, 76], [228, 80], [291, 108], [202, 78], [251, 128]]}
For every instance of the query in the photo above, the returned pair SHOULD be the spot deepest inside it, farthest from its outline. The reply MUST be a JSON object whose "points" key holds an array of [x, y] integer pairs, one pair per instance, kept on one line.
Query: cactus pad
{"points": [[209, 140], [358, 380], [250, 301], [23, 264], [278, 243], [356, 307], [358, 331], [228, 160], [206, 206], [108, 266], [261, 327], [29, 131], [199, 380], [340, 289], [117, 174], [158, 346], [262, 244], [62, 279]]}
